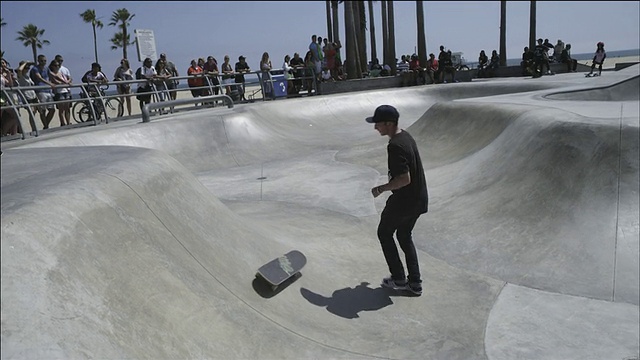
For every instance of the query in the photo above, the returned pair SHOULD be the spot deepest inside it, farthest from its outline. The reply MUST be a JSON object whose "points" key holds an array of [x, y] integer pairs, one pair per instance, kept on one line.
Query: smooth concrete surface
{"points": [[135, 240]]}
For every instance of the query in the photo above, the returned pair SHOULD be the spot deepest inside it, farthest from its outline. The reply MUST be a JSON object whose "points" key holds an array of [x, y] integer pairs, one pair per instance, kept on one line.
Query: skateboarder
{"points": [[409, 199], [598, 58]]}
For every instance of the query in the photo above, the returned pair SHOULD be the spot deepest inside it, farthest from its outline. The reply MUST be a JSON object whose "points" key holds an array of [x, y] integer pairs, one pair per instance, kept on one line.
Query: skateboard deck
{"points": [[278, 270]]}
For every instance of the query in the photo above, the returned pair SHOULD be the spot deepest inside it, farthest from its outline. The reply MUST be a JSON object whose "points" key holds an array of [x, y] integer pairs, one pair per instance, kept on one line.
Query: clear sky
{"points": [[185, 30]]}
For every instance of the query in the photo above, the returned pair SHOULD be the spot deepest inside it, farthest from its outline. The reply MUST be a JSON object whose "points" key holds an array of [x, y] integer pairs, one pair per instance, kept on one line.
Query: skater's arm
{"points": [[396, 183]]}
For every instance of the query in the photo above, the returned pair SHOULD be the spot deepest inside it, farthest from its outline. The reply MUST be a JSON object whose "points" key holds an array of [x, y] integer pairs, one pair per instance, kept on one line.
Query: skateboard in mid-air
{"points": [[280, 269]]}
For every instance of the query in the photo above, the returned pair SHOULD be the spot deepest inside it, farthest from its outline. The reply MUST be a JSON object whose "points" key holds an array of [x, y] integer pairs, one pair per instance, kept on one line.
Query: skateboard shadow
{"points": [[263, 288], [348, 302]]}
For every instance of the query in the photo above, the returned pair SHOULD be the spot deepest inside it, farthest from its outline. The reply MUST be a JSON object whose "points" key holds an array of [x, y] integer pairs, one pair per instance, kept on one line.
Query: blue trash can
{"points": [[279, 85]]}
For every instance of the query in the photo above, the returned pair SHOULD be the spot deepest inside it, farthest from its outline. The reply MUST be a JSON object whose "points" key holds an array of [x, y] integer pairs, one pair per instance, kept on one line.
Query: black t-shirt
{"points": [[239, 67], [297, 62], [403, 157]]}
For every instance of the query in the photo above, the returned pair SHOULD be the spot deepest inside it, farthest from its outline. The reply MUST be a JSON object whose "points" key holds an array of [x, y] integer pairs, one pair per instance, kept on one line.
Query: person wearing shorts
{"points": [[40, 76]]}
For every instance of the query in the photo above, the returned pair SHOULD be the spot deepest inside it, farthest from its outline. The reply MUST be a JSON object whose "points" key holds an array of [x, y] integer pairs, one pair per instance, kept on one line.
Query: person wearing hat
{"points": [[241, 68], [409, 200], [171, 84]]}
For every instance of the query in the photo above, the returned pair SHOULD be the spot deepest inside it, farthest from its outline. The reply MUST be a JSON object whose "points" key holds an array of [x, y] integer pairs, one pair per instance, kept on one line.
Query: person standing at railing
{"points": [[9, 116], [161, 79], [297, 63], [62, 93], [211, 70], [227, 75], [148, 72], [171, 84], [94, 78], [40, 76], [242, 67], [197, 81], [32, 98], [265, 67], [124, 73]]}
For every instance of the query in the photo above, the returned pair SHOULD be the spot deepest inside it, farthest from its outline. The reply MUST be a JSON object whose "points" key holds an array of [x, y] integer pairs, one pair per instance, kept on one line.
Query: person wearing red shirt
{"points": [[197, 82]]}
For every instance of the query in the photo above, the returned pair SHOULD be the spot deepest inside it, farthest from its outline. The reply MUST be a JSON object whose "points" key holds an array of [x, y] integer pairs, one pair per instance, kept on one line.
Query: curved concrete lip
{"points": [[140, 240]]}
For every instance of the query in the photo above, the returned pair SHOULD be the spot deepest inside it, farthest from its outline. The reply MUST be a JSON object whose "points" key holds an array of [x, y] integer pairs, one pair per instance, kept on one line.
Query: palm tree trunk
{"points": [[532, 25], [361, 21], [329, 27], [35, 52], [503, 32], [350, 46], [95, 43], [124, 40], [336, 22], [372, 32], [422, 38], [392, 39], [385, 31]]}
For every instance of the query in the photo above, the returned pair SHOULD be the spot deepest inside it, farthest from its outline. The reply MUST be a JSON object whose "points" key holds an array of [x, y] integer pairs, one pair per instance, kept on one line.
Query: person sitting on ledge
{"points": [[565, 58]]}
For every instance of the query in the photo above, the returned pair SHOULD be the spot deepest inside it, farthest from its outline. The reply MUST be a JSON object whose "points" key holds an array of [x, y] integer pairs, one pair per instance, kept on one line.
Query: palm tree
{"points": [[372, 32], [30, 36], [89, 16], [503, 32], [351, 44], [385, 31], [117, 40], [336, 22], [422, 38], [392, 39], [329, 25], [361, 19], [123, 17]]}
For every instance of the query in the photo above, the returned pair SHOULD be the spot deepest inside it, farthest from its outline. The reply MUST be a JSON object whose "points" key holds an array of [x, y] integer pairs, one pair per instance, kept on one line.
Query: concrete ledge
{"points": [[383, 82], [620, 66]]}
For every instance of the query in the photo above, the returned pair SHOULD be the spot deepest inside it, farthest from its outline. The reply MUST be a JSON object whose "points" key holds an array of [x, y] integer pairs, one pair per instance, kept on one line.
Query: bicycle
{"points": [[81, 110]]}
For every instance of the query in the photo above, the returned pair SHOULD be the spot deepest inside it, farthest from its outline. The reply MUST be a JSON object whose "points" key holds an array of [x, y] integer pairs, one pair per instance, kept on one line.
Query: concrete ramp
{"points": [[142, 240], [628, 90]]}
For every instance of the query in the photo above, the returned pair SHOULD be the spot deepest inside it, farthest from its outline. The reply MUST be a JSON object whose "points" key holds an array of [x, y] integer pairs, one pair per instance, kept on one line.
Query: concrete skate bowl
{"points": [[628, 90], [145, 240]]}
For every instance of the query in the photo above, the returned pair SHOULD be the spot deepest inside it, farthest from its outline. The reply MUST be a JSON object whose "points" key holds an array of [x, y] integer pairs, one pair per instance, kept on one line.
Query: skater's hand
{"points": [[376, 191]]}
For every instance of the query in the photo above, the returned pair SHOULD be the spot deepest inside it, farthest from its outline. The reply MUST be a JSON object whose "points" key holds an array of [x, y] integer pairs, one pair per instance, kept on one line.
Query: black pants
{"points": [[402, 226], [572, 64]]}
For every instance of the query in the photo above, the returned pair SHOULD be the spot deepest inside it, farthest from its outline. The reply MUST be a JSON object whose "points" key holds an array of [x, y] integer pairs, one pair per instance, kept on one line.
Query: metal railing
{"points": [[146, 109], [95, 97]]}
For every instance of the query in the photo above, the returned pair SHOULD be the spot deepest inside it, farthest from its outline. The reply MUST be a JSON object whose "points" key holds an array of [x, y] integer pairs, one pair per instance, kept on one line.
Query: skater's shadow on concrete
{"points": [[348, 302]]}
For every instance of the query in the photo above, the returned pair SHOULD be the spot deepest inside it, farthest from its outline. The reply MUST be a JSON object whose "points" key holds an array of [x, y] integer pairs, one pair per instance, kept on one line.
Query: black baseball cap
{"points": [[384, 113]]}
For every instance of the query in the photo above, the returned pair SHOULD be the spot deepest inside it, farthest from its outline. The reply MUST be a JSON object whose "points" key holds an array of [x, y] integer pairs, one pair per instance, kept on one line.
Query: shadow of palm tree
{"points": [[348, 302]]}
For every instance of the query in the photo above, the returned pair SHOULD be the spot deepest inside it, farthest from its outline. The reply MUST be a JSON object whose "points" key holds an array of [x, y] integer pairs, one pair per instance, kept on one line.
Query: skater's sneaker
{"points": [[415, 288], [388, 282]]}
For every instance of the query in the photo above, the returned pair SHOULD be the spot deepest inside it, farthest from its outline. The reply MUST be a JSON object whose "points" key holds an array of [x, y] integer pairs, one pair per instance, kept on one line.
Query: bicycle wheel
{"points": [[76, 110], [113, 108], [84, 114]]}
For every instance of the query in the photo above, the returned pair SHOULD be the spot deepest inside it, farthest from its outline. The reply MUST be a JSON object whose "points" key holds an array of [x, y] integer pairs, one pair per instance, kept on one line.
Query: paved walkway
{"points": [[135, 240]]}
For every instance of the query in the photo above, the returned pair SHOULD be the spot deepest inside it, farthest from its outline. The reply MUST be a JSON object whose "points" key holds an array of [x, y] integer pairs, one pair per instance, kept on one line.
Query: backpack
{"points": [[139, 74], [84, 77]]}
